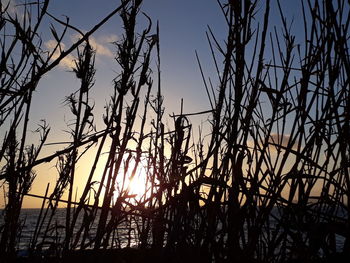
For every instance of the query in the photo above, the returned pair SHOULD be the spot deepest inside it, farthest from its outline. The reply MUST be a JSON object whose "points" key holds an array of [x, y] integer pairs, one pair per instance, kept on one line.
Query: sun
{"points": [[134, 183], [137, 185]]}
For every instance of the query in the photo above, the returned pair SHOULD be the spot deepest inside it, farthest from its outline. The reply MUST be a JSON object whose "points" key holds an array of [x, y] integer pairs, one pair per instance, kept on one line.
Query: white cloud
{"points": [[100, 48], [67, 62], [51, 44], [102, 44], [108, 38]]}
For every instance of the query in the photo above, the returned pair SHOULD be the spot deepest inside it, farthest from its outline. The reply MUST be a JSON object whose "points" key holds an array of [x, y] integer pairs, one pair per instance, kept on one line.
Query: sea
{"points": [[126, 235]]}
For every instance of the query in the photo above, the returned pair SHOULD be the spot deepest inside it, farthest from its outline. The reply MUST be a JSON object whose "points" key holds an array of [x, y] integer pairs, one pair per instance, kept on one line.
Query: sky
{"points": [[182, 32], [183, 24]]}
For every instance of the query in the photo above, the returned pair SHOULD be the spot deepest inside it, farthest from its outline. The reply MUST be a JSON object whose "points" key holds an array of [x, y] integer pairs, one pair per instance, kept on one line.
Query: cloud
{"points": [[101, 49], [51, 44], [67, 62], [109, 38], [100, 44]]}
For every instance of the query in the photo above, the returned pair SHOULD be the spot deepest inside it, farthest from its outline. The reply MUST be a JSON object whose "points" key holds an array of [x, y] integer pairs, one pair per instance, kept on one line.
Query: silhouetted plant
{"points": [[270, 180]]}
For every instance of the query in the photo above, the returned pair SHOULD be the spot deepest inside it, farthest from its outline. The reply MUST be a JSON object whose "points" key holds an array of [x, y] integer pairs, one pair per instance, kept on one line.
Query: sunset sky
{"points": [[183, 25]]}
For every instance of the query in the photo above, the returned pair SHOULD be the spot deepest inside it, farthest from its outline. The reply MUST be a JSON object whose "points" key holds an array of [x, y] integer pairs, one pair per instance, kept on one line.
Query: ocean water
{"points": [[125, 235]]}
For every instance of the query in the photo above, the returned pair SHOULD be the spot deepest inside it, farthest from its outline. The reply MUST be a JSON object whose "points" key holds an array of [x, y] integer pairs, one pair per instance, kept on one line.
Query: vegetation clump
{"points": [[269, 183]]}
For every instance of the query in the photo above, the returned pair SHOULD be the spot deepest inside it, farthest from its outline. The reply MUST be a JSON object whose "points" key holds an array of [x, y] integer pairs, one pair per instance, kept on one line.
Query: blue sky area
{"points": [[182, 31]]}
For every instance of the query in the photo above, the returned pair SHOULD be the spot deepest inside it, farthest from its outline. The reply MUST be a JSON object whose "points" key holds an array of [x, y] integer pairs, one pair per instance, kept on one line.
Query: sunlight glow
{"points": [[137, 185], [134, 186]]}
